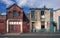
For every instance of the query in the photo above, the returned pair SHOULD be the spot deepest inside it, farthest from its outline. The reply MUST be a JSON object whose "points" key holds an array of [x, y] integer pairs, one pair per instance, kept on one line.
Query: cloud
{"points": [[30, 3], [39, 3], [21, 2], [34, 3], [3, 13], [7, 2]]}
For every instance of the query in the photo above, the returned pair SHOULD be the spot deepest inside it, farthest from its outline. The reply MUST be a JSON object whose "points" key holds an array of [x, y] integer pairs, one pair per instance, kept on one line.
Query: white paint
{"points": [[42, 16], [46, 25], [7, 26], [14, 22], [17, 22], [21, 27]]}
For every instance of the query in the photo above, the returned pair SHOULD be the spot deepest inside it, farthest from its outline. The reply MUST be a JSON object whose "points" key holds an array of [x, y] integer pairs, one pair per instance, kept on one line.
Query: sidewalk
{"points": [[31, 34]]}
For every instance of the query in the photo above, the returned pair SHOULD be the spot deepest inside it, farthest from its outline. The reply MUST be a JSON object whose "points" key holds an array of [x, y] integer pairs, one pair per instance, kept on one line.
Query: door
{"points": [[11, 28]]}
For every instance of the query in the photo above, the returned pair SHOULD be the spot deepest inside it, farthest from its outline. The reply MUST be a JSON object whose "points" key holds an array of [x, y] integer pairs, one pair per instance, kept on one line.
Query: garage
{"points": [[14, 26]]}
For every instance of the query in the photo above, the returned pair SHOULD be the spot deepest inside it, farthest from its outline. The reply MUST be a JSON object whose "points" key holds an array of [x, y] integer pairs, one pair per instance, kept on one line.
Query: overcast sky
{"points": [[26, 4]]}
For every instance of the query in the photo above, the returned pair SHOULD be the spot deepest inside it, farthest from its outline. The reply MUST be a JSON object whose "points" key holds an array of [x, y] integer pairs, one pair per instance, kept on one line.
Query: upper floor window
{"points": [[19, 13], [42, 12], [9, 13], [14, 13], [33, 15]]}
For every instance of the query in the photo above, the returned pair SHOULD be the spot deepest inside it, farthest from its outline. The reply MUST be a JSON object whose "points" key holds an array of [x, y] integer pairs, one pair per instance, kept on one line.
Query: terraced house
{"points": [[41, 20]]}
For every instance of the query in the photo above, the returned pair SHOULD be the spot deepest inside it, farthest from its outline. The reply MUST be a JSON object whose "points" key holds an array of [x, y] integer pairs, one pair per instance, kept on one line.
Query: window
{"points": [[14, 13], [42, 12], [19, 13], [9, 13], [42, 15], [11, 27], [33, 15]]}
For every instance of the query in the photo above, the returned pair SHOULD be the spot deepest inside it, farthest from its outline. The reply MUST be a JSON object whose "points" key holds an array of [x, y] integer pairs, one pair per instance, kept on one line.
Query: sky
{"points": [[26, 4]]}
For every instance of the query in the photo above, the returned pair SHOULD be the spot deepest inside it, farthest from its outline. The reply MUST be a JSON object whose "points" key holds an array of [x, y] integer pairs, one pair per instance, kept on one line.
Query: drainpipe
{"points": [[54, 24]]}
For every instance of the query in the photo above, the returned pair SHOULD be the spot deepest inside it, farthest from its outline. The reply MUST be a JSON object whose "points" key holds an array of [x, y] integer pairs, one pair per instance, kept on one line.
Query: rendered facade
{"points": [[41, 20]]}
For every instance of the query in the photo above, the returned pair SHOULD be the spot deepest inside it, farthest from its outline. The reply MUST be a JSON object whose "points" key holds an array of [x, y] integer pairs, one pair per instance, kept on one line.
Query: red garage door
{"points": [[17, 28]]}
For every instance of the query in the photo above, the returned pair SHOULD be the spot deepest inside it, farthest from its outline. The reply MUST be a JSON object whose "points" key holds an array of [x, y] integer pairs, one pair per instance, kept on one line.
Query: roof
{"points": [[39, 8], [57, 9], [13, 5]]}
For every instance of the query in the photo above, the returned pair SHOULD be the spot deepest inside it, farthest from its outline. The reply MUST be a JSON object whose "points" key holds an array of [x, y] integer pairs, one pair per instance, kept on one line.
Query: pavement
{"points": [[30, 35]]}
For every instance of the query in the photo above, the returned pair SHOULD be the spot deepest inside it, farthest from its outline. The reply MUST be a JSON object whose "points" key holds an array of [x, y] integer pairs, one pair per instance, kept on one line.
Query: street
{"points": [[33, 35]]}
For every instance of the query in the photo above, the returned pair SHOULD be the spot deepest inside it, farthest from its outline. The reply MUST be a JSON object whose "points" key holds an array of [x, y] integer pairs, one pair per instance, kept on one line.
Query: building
{"points": [[56, 16], [37, 20], [15, 20], [41, 20], [2, 23]]}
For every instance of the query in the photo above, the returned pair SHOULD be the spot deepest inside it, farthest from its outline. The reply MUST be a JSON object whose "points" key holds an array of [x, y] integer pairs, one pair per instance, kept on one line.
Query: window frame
{"points": [[14, 13], [42, 13], [9, 13]]}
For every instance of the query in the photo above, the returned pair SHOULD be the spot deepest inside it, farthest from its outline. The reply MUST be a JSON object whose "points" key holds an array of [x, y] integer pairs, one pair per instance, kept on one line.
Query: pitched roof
{"points": [[13, 5]]}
